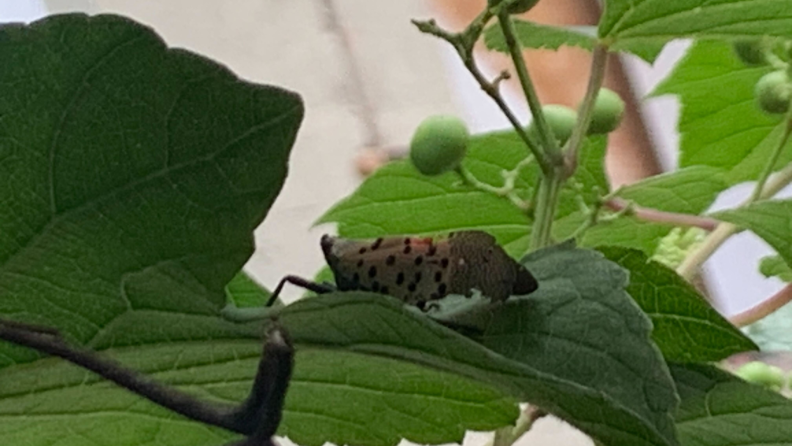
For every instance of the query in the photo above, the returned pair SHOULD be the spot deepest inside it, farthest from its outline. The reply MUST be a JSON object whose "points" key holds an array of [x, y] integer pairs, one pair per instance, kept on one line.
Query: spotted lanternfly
{"points": [[418, 270]]}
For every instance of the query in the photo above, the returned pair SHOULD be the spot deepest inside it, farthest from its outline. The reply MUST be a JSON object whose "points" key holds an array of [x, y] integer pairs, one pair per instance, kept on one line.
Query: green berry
{"points": [[561, 120], [517, 7], [607, 114], [773, 92], [758, 372], [439, 144], [750, 52]]}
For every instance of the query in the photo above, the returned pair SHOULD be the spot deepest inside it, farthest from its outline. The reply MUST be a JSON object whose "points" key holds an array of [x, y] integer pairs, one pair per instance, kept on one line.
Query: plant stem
{"points": [[656, 216], [766, 187], [545, 207], [599, 61], [507, 190], [768, 168], [765, 308], [463, 44], [548, 140]]}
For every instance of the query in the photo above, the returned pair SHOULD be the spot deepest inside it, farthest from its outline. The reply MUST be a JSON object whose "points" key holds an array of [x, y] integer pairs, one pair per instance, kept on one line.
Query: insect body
{"points": [[417, 270]]}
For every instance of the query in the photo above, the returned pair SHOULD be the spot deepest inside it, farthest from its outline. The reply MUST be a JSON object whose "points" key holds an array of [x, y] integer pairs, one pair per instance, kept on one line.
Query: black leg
{"points": [[319, 288]]}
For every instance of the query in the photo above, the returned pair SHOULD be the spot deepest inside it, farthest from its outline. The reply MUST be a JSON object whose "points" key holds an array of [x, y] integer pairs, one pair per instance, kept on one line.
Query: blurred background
{"points": [[368, 77]]}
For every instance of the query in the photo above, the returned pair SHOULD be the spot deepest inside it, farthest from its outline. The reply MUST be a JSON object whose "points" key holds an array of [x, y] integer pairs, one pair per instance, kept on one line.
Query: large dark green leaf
{"points": [[580, 326], [133, 177], [346, 397], [375, 325], [719, 409], [686, 327]]}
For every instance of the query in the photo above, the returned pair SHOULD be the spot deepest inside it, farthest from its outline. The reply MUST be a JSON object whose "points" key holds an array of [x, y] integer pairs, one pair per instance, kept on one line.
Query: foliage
{"points": [[128, 207]]}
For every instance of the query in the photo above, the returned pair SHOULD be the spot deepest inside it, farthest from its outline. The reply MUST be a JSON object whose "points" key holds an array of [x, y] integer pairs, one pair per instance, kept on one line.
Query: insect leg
{"points": [[247, 314], [318, 288]]}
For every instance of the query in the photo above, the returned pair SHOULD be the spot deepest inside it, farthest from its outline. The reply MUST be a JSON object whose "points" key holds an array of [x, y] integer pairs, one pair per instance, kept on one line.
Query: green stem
{"points": [[766, 187], [546, 202], [768, 168], [463, 44], [599, 62], [508, 189], [546, 136]]}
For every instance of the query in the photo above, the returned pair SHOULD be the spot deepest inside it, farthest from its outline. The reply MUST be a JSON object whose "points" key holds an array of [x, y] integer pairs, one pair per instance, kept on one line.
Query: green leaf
{"points": [[341, 396], [397, 199], [534, 35], [639, 26], [598, 337], [242, 291], [367, 371], [376, 325], [771, 220], [686, 327], [720, 124], [689, 191], [719, 409], [774, 266], [138, 174]]}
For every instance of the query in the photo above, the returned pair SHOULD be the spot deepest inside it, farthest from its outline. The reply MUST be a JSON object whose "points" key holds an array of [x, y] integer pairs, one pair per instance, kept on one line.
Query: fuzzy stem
{"points": [[599, 62], [546, 136]]}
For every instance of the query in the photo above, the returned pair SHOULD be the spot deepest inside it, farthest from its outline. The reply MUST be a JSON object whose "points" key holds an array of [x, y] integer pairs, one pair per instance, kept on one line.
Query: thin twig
{"points": [[463, 44], [507, 190], [599, 62], [656, 216], [546, 136], [764, 309]]}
